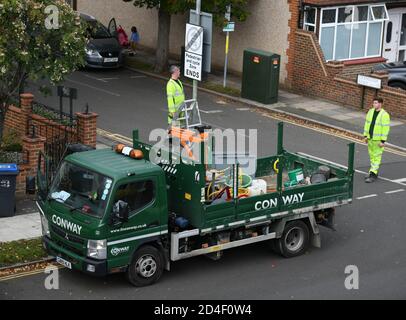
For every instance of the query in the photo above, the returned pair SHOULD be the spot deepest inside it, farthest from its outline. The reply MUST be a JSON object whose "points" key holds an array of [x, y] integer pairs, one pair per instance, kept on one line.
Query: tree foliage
{"points": [[216, 7], [29, 48]]}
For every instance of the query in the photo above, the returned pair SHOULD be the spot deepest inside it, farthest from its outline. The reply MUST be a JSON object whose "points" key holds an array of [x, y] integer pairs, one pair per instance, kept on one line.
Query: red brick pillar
{"points": [[383, 75], [26, 109], [87, 128], [32, 147]]}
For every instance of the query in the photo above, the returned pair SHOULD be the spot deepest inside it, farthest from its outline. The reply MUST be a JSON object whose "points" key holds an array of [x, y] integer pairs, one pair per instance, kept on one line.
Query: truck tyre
{"points": [[295, 239], [146, 267]]}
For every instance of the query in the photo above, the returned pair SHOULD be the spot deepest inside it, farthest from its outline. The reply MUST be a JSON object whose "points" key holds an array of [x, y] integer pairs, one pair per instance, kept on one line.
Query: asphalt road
{"points": [[370, 232]]}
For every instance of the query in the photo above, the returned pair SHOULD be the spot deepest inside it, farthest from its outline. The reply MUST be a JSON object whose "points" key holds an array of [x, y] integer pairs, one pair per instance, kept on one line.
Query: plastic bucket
{"points": [[296, 175]]}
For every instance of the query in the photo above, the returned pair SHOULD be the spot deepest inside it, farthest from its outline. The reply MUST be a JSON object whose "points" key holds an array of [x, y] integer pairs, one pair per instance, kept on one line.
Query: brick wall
{"points": [[290, 52], [17, 119], [335, 81]]}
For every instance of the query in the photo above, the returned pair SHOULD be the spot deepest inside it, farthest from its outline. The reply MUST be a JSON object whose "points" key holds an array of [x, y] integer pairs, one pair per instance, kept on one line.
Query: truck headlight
{"points": [[92, 53], [45, 226], [97, 249]]}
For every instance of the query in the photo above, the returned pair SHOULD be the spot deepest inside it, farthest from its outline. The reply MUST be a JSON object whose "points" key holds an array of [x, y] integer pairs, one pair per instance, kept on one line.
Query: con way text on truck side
{"points": [[113, 210]]}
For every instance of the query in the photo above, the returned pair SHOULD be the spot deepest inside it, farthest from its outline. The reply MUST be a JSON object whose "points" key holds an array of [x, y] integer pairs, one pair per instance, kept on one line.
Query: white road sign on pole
{"points": [[194, 39], [193, 66], [193, 52]]}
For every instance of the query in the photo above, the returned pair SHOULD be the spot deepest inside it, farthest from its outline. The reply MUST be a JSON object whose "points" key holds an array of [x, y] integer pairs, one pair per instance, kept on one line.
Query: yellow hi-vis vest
{"points": [[382, 125], [175, 96]]}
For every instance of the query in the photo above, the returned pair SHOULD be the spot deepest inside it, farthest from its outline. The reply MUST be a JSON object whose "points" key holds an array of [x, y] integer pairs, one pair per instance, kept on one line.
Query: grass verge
{"points": [[21, 251]]}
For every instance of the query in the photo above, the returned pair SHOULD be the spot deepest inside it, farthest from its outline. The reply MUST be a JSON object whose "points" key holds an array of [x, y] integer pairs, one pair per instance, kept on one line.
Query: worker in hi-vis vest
{"points": [[376, 131], [175, 94]]}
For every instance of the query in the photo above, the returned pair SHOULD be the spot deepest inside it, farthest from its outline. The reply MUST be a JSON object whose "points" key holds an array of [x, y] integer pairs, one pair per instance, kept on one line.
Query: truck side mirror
{"points": [[121, 211]]}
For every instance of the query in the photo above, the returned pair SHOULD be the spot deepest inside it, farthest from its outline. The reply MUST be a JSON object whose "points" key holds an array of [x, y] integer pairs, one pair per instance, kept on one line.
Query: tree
{"points": [[167, 8], [39, 39]]}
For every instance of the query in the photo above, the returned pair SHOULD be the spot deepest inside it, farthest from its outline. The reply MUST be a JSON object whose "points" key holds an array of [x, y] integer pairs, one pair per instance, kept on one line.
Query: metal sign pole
{"points": [[228, 17], [198, 9], [226, 60]]}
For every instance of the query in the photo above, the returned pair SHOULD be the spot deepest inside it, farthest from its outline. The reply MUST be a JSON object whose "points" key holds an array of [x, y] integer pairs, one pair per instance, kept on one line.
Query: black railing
{"points": [[58, 137], [59, 116]]}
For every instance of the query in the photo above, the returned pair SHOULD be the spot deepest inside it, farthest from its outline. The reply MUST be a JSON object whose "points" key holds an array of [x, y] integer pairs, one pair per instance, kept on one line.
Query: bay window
{"points": [[352, 32]]}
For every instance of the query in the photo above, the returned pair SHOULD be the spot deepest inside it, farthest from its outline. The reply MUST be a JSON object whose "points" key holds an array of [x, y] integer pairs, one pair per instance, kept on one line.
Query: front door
{"points": [[402, 41], [395, 36]]}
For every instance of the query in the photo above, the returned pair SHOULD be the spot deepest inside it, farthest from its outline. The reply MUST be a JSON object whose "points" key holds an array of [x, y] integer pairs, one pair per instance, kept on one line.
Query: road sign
{"points": [[193, 52], [193, 66], [227, 15], [206, 21], [229, 27], [194, 39]]}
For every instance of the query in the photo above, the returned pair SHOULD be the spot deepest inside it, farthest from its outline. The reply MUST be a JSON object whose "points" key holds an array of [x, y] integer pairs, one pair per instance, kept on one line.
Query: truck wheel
{"points": [[295, 239], [146, 267]]}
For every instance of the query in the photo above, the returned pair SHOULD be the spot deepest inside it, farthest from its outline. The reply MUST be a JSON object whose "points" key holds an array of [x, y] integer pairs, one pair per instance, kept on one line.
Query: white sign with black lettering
{"points": [[369, 82], [193, 52], [193, 66]]}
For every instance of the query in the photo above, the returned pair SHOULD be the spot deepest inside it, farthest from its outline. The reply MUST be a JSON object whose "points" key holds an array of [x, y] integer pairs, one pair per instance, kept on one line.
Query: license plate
{"points": [[110, 59], [63, 262]]}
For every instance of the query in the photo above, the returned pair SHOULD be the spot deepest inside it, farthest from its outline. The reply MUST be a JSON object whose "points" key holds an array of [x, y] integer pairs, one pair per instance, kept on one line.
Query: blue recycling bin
{"points": [[8, 178]]}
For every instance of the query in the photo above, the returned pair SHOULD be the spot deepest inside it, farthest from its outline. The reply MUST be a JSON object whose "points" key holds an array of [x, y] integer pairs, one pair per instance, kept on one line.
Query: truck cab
{"points": [[100, 207]]}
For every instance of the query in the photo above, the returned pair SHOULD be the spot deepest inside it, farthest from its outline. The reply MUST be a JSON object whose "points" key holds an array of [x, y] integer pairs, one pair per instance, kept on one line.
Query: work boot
{"points": [[372, 178]]}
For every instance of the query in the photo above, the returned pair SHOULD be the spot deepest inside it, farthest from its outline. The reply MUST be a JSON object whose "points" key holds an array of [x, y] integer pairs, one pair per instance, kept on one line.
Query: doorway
{"points": [[395, 36]]}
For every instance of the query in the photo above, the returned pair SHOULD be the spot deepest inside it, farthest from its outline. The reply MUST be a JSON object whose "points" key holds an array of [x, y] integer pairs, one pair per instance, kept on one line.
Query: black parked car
{"points": [[103, 49], [397, 73]]}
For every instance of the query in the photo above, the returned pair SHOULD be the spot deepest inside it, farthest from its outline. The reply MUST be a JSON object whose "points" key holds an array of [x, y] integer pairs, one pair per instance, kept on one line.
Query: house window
{"points": [[310, 18], [352, 32]]}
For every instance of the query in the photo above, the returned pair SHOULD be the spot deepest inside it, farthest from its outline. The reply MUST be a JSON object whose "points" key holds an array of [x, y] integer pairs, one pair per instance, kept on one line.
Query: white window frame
{"points": [[370, 20], [305, 24], [373, 15]]}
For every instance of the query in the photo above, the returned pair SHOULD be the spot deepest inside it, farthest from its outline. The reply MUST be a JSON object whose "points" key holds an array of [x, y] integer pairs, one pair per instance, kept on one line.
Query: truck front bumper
{"points": [[89, 266]]}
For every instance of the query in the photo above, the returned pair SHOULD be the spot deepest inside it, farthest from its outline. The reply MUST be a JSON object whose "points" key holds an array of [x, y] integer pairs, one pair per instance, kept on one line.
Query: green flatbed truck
{"points": [[104, 212]]}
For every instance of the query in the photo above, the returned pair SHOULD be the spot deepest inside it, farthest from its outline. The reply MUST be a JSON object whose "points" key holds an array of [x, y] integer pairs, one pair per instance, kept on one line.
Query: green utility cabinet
{"points": [[260, 81]]}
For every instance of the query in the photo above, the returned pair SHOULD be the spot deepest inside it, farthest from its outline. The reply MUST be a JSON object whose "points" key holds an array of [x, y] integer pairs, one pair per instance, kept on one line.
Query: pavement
{"points": [[370, 232]]}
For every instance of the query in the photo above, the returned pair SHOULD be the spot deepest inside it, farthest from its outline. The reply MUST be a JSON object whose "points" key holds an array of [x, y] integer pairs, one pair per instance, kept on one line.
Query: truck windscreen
{"points": [[81, 189]]}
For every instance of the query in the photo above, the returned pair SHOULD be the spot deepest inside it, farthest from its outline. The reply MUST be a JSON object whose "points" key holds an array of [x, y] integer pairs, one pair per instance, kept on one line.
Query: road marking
{"points": [[114, 136], [401, 181], [367, 197], [243, 109], [344, 167], [104, 79], [212, 111], [94, 88], [395, 191], [29, 273], [136, 77], [90, 77]]}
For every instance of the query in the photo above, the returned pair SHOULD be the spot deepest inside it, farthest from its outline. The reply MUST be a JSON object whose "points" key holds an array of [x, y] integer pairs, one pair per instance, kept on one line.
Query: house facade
{"points": [[351, 30]]}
